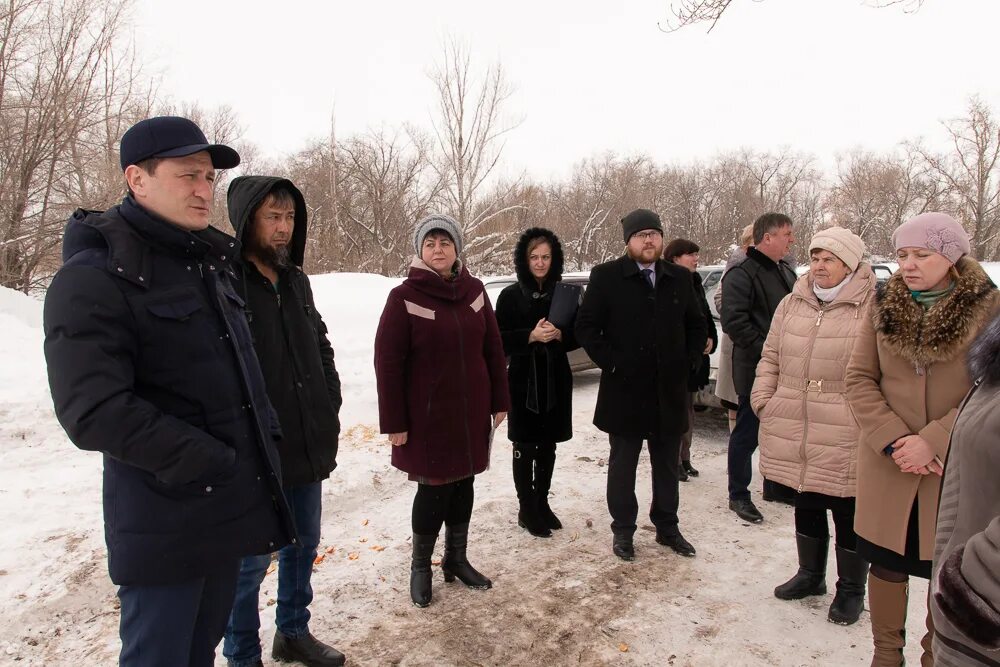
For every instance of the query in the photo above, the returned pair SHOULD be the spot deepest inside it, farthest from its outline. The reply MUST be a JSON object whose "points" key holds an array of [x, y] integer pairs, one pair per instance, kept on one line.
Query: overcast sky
{"points": [[818, 76]]}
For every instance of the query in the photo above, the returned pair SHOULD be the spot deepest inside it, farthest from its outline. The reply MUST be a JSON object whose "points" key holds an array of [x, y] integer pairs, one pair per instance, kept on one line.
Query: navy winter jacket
{"points": [[150, 362]]}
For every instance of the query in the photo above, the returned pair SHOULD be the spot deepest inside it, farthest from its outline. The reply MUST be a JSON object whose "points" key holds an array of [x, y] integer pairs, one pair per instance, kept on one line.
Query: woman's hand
{"points": [[498, 418], [539, 333], [553, 333], [912, 454], [708, 346], [398, 439]]}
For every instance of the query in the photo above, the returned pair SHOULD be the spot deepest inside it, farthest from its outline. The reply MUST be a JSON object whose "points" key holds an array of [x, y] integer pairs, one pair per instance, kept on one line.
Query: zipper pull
{"points": [[819, 318], [200, 272]]}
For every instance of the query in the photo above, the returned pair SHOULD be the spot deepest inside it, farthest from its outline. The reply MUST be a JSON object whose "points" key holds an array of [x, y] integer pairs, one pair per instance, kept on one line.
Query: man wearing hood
{"points": [[269, 216], [151, 362]]}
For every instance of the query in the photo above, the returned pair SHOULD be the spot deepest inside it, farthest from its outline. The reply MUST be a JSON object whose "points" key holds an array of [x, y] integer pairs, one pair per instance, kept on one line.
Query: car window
{"points": [[711, 279]]}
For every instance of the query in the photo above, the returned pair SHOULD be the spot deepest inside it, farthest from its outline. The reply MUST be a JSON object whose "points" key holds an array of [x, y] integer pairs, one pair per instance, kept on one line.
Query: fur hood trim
{"points": [[984, 355], [521, 268], [938, 334]]}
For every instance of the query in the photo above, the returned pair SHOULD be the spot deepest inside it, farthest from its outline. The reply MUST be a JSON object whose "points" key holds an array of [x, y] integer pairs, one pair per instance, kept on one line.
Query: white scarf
{"points": [[828, 294]]}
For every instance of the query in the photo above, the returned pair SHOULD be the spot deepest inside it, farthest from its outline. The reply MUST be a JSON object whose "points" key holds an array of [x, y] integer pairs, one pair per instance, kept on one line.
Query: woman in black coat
{"points": [[685, 253], [541, 383]]}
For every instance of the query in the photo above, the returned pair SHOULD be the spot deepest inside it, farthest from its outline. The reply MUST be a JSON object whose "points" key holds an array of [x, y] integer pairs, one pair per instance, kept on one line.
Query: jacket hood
{"points": [[938, 334], [247, 192], [128, 231], [521, 268], [857, 289], [425, 279]]}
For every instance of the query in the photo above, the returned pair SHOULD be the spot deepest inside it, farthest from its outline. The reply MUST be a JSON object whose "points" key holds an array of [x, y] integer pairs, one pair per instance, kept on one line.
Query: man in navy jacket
{"points": [[151, 362]]}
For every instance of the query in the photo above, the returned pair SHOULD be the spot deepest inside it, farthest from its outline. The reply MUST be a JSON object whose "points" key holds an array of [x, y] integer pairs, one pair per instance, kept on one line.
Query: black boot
{"points": [[420, 569], [455, 564], [545, 465], [689, 469], [527, 499], [811, 577], [305, 649], [852, 573]]}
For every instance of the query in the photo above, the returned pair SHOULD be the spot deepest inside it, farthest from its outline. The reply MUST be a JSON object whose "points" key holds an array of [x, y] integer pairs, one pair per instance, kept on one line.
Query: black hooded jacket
{"points": [[541, 384], [150, 362], [291, 342]]}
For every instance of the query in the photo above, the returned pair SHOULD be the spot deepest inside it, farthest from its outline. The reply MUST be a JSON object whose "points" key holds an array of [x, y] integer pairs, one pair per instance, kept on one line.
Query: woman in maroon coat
{"points": [[442, 391]]}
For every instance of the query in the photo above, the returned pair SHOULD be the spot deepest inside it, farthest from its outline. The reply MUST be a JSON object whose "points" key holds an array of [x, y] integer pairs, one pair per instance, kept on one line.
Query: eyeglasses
{"points": [[647, 235]]}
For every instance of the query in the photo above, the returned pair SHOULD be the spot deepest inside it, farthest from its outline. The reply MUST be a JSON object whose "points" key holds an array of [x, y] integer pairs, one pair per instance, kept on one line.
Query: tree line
{"points": [[70, 84]]}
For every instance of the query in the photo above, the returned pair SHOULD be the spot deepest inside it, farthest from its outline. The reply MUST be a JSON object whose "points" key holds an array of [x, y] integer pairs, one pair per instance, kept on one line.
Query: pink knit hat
{"points": [[935, 231]]}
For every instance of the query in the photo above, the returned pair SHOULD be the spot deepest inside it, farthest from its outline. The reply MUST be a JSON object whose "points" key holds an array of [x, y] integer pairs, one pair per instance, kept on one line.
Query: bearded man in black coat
{"points": [[641, 323]]}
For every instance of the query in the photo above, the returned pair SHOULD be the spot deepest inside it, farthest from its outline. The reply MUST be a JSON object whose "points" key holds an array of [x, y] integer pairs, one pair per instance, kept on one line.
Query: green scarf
{"points": [[930, 297]]}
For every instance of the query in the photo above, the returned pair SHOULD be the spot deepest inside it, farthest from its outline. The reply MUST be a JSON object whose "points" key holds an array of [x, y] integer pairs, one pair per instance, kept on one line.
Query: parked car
{"points": [[578, 359]]}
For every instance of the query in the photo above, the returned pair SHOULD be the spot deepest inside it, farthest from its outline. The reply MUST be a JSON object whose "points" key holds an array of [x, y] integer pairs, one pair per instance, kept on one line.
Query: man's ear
{"points": [[135, 177]]}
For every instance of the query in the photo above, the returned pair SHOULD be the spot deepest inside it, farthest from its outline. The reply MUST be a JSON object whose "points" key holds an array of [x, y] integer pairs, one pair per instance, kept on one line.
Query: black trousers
{"points": [[622, 503], [438, 504], [810, 517]]}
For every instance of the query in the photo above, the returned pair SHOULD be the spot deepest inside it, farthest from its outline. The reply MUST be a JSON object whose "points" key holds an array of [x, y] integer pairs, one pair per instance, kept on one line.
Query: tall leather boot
{"points": [[545, 464], [528, 516], [811, 577], [420, 569], [456, 564], [852, 572], [887, 607]]}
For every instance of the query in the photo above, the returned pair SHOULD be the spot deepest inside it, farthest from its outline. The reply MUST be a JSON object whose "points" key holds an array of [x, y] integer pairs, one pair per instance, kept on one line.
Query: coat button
{"points": [[270, 544], [208, 489], [294, 541], [298, 384], [120, 269]]}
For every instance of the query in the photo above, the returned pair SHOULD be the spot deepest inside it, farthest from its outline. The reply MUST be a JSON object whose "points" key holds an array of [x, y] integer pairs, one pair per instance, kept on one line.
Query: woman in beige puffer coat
{"points": [[808, 433]]}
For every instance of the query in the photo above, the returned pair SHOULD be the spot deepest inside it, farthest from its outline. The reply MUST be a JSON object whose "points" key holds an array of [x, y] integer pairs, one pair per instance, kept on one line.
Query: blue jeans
{"points": [[295, 564], [742, 445], [176, 624]]}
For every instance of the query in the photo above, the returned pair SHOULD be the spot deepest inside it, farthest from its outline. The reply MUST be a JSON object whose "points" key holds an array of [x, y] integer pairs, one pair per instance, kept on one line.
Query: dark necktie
{"points": [[648, 275]]}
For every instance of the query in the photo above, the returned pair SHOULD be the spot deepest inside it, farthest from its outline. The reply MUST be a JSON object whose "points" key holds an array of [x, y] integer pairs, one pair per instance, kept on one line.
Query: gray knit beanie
{"points": [[439, 221]]}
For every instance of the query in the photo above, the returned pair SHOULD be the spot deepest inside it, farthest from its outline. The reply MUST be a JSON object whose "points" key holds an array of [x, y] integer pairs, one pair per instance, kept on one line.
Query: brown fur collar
{"points": [[940, 333]]}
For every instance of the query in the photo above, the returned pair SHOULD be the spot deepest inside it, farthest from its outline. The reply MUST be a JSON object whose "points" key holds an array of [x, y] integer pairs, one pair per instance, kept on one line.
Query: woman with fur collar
{"points": [[541, 384], [905, 381], [965, 590]]}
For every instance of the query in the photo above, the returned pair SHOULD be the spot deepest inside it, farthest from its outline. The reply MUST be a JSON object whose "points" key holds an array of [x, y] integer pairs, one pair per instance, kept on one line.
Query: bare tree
{"points": [[691, 12], [66, 83], [469, 130], [388, 184], [970, 171]]}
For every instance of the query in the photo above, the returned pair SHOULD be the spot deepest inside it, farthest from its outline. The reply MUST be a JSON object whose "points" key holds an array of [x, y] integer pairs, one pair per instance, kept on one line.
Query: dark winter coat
{"points": [[751, 292], [965, 588], [700, 377], [441, 373], [150, 362], [541, 383], [290, 338], [647, 342]]}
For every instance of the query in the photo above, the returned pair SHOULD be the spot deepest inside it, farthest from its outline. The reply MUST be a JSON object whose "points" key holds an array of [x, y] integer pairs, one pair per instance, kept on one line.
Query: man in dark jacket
{"points": [[151, 363], [641, 324], [751, 292], [269, 216]]}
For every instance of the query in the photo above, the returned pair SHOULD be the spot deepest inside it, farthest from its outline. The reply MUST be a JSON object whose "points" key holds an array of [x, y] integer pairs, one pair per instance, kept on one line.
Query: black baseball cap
{"points": [[171, 136]]}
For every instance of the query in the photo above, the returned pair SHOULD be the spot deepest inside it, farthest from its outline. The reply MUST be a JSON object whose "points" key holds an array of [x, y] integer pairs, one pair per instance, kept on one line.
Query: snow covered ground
{"points": [[561, 601]]}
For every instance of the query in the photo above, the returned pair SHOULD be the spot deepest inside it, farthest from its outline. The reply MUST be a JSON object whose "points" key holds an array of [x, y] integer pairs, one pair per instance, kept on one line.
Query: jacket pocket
{"points": [[180, 309]]}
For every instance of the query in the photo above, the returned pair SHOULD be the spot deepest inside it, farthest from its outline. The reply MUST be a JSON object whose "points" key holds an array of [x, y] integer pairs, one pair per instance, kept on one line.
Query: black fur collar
{"points": [[521, 268]]}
